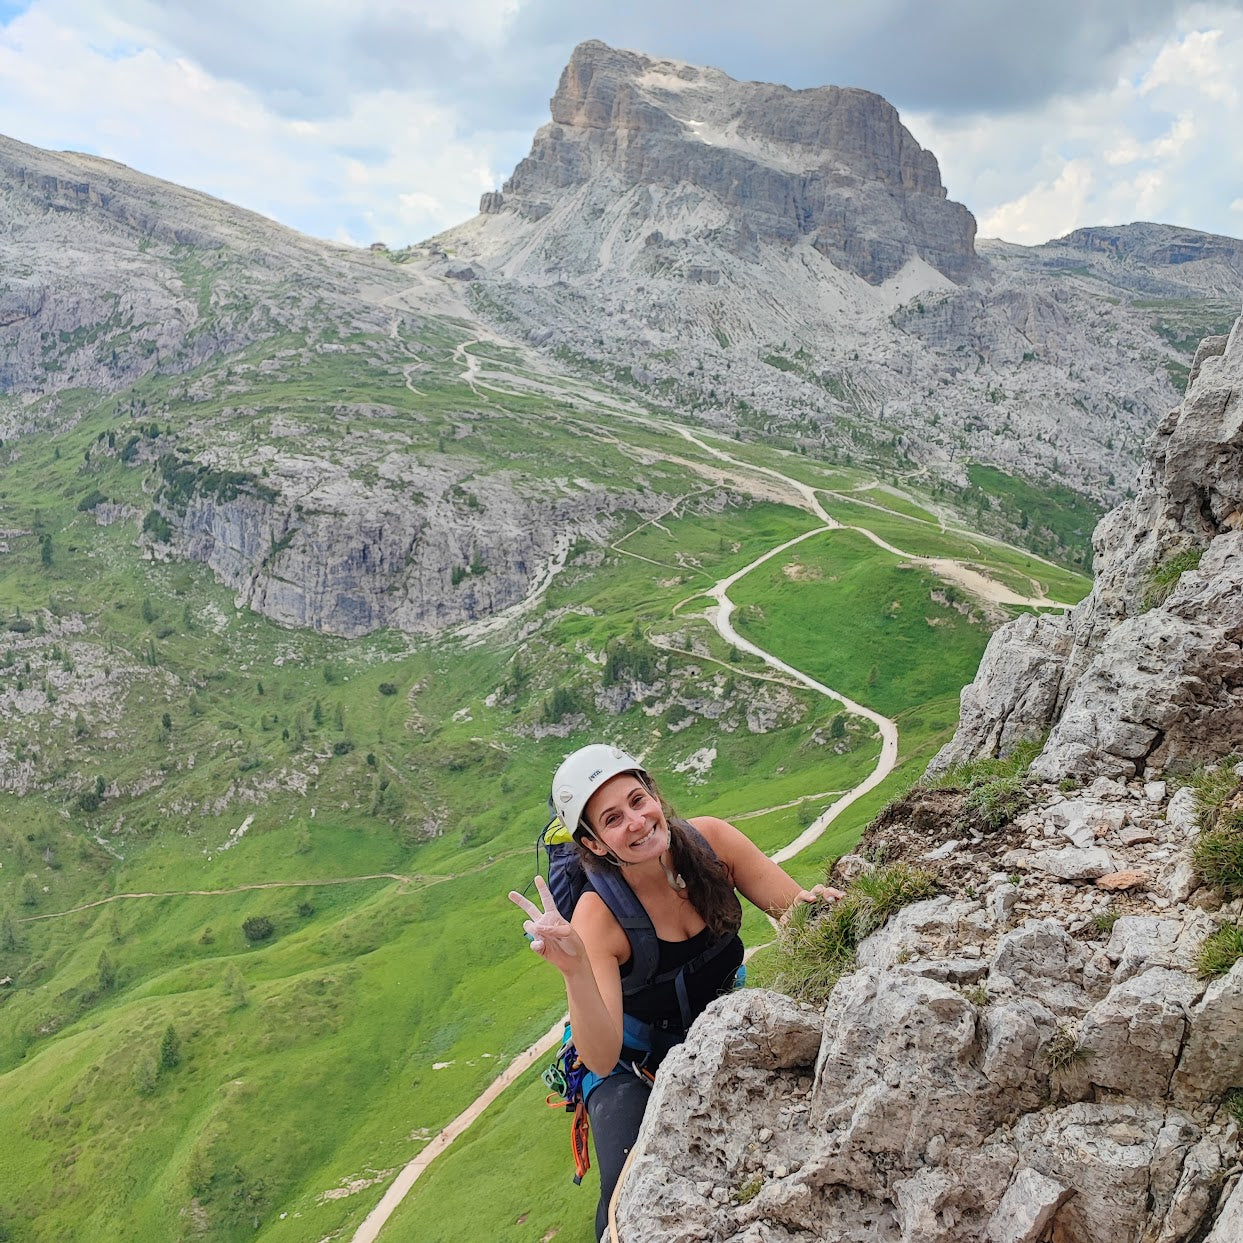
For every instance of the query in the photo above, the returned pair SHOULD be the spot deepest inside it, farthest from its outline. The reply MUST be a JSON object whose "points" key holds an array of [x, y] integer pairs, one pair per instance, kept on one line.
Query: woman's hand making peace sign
{"points": [[552, 938]]}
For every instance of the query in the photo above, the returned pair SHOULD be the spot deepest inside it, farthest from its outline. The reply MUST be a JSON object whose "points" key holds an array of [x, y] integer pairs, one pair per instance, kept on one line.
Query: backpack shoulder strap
{"points": [[635, 922], [637, 925]]}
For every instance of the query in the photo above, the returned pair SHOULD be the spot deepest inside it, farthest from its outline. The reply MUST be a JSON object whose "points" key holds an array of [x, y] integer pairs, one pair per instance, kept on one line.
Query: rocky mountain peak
{"points": [[830, 165]]}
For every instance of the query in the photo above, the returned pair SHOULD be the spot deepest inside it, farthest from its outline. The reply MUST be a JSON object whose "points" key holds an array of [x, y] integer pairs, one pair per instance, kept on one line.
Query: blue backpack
{"points": [[568, 880]]}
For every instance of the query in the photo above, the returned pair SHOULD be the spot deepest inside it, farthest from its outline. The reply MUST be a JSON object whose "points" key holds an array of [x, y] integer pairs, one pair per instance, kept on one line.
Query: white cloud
{"points": [[1197, 62], [1157, 144], [1048, 209], [1129, 150], [391, 164]]}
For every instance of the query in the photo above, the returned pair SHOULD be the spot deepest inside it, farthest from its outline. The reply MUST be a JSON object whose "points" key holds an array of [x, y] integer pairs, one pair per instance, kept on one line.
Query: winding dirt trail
{"points": [[410, 884], [888, 758], [413, 1170], [720, 615], [220, 893]]}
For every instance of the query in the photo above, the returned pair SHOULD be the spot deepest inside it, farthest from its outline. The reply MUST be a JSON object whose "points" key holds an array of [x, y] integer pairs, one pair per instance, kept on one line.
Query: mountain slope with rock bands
{"points": [[789, 261]]}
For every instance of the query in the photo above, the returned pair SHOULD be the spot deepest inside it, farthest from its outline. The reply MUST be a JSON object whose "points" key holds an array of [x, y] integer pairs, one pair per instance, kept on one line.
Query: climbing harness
{"points": [[569, 1083]]}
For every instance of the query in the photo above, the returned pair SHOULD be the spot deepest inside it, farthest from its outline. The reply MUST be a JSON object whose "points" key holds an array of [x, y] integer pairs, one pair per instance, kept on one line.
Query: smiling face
{"points": [[626, 819]]}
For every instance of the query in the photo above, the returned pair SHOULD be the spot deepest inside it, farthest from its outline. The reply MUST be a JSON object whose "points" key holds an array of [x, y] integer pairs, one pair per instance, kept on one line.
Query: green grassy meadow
{"points": [[176, 766]]}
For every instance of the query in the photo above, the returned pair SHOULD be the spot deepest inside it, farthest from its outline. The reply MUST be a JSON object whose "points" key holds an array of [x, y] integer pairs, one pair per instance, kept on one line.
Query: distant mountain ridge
{"points": [[110, 274], [788, 262], [778, 264]]}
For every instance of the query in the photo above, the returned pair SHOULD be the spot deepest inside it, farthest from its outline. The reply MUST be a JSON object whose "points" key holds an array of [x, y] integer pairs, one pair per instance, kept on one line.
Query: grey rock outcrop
{"points": [[1157, 246], [308, 546], [981, 1075], [1148, 670], [111, 274]]}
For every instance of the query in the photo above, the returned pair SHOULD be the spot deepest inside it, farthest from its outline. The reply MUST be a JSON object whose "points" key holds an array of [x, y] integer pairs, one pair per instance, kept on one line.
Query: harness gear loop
{"points": [[579, 1133]]}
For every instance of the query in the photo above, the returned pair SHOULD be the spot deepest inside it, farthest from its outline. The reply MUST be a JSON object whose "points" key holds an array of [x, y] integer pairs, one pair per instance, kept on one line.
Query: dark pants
{"points": [[615, 1108]]}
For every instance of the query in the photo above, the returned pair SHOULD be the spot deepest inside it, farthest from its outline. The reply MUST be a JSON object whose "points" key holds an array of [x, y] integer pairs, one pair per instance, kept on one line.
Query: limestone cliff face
{"points": [[310, 546], [832, 166], [1148, 670]]}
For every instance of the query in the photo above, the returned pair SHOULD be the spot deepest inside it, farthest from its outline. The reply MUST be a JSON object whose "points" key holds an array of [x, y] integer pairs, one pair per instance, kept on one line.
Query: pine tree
{"points": [[170, 1049], [8, 930]]}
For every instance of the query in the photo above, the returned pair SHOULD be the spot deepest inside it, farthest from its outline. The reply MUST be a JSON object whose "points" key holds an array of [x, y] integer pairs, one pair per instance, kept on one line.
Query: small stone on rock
{"points": [[1126, 879]]}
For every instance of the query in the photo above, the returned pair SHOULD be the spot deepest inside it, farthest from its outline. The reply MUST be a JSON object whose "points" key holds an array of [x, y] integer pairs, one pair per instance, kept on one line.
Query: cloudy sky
{"points": [[385, 119]]}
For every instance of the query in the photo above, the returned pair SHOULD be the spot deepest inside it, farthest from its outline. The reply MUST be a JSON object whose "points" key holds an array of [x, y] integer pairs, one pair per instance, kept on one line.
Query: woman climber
{"points": [[681, 879]]}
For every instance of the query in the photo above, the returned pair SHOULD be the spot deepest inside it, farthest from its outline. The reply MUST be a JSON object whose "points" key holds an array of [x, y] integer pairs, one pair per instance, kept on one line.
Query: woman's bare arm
{"points": [[754, 874], [588, 951]]}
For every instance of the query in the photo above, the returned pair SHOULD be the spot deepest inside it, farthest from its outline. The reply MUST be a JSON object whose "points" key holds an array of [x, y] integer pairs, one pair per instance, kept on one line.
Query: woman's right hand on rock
{"points": [[551, 935]]}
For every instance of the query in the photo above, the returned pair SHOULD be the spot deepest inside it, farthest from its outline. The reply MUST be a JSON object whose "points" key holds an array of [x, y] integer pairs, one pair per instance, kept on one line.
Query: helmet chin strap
{"points": [[608, 856]]}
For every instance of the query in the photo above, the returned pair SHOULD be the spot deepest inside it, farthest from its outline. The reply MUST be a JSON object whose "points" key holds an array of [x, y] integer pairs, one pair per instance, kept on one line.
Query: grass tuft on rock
{"points": [[995, 786], [1220, 951], [1213, 785], [995, 801], [817, 946], [976, 772], [1218, 854], [1064, 1051], [1164, 576], [1233, 1103]]}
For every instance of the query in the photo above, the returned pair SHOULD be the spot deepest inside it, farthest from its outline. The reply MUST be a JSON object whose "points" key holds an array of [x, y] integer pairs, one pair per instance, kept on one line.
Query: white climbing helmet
{"points": [[582, 773]]}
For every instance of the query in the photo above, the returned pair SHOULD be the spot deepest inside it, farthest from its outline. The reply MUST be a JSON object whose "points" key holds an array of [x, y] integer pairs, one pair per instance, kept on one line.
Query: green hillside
{"points": [[292, 850]]}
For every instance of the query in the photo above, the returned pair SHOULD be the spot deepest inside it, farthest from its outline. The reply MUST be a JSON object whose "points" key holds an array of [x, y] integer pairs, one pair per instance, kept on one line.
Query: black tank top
{"points": [[659, 1003]]}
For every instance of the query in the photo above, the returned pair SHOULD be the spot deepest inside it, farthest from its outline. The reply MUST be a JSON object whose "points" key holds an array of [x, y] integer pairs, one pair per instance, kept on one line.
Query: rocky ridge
{"points": [[1147, 671], [1029, 1057], [425, 547], [1039, 1054], [110, 274]]}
